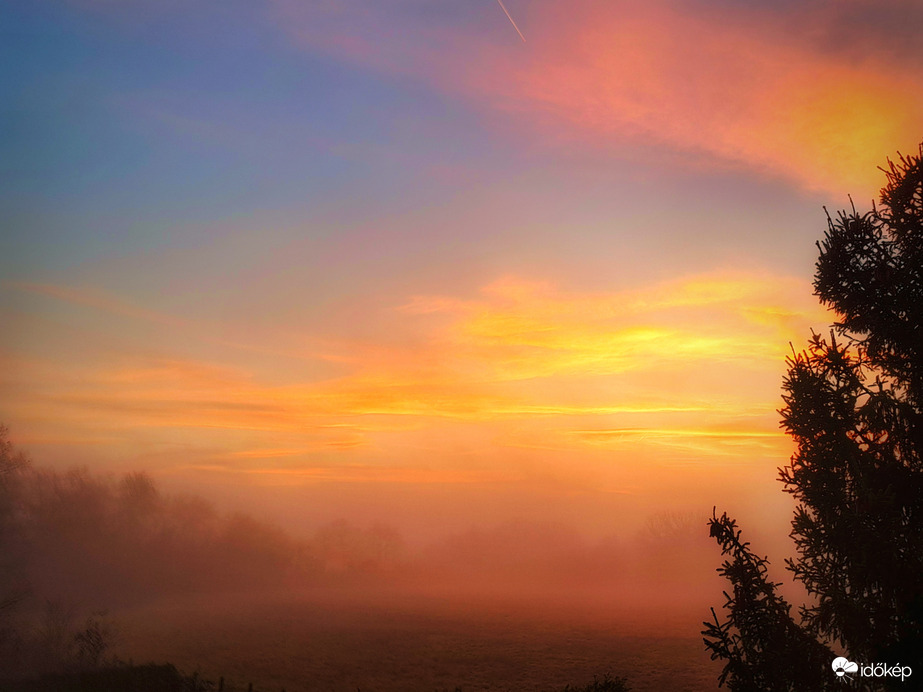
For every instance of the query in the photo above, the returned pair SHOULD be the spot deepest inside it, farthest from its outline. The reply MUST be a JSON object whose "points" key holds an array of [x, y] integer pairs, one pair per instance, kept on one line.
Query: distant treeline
{"points": [[105, 540]]}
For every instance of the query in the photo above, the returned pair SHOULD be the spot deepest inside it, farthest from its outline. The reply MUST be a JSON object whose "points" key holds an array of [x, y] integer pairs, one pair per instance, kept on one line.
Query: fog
{"points": [[140, 568]]}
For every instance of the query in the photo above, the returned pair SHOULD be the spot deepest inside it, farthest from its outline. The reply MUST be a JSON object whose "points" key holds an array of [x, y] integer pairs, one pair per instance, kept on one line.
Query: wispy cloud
{"points": [[105, 302], [99, 300]]}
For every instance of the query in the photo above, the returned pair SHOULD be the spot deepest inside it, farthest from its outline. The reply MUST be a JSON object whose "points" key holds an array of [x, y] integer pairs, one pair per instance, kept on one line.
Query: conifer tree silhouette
{"points": [[854, 408]]}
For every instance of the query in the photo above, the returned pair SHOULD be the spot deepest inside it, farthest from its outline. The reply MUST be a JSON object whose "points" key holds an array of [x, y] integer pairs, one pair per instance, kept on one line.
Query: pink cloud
{"points": [[731, 89]]}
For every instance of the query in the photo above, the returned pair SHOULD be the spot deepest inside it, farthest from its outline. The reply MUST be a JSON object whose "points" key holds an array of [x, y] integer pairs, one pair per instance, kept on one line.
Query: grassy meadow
{"points": [[392, 641]]}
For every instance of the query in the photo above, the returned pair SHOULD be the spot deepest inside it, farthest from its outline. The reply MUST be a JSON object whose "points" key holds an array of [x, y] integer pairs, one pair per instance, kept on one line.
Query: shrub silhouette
{"points": [[605, 684], [854, 407]]}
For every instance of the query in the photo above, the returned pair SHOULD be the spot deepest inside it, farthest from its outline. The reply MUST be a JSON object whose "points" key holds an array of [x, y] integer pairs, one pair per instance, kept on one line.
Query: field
{"points": [[393, 641]]}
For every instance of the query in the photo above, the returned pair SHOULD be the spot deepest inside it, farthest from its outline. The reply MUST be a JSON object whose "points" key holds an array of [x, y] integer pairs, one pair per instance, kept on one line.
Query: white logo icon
{"points": [[842, 667]]}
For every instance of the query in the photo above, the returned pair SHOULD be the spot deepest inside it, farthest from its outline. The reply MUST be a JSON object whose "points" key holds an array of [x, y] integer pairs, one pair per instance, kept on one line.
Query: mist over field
{"points": [[168, 577]]}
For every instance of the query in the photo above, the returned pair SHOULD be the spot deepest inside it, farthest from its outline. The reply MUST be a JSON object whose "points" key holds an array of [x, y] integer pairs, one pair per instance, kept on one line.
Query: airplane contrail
{"points": [[508, 16]]}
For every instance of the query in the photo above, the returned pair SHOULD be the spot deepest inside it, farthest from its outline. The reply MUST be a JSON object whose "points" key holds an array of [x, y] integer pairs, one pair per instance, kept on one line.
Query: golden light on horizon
{"points": [[661, 365]]}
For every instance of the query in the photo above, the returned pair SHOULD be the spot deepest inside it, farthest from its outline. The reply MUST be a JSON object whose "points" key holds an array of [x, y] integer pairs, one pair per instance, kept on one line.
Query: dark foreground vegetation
{"points": [[114, 678], [166, 678], [854, 407]]}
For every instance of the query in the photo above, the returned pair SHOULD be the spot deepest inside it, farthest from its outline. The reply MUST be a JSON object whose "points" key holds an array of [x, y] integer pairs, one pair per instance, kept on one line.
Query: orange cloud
{"points": [[523, 331], [689, 363], [705, 443]]}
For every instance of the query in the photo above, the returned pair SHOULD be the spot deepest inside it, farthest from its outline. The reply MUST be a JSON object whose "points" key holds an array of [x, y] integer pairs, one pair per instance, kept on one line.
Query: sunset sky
{"points": [[388, 260]]}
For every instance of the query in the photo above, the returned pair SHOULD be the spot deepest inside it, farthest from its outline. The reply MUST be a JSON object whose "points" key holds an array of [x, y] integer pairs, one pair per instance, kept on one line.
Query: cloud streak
{"points": [[512, 21]]}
